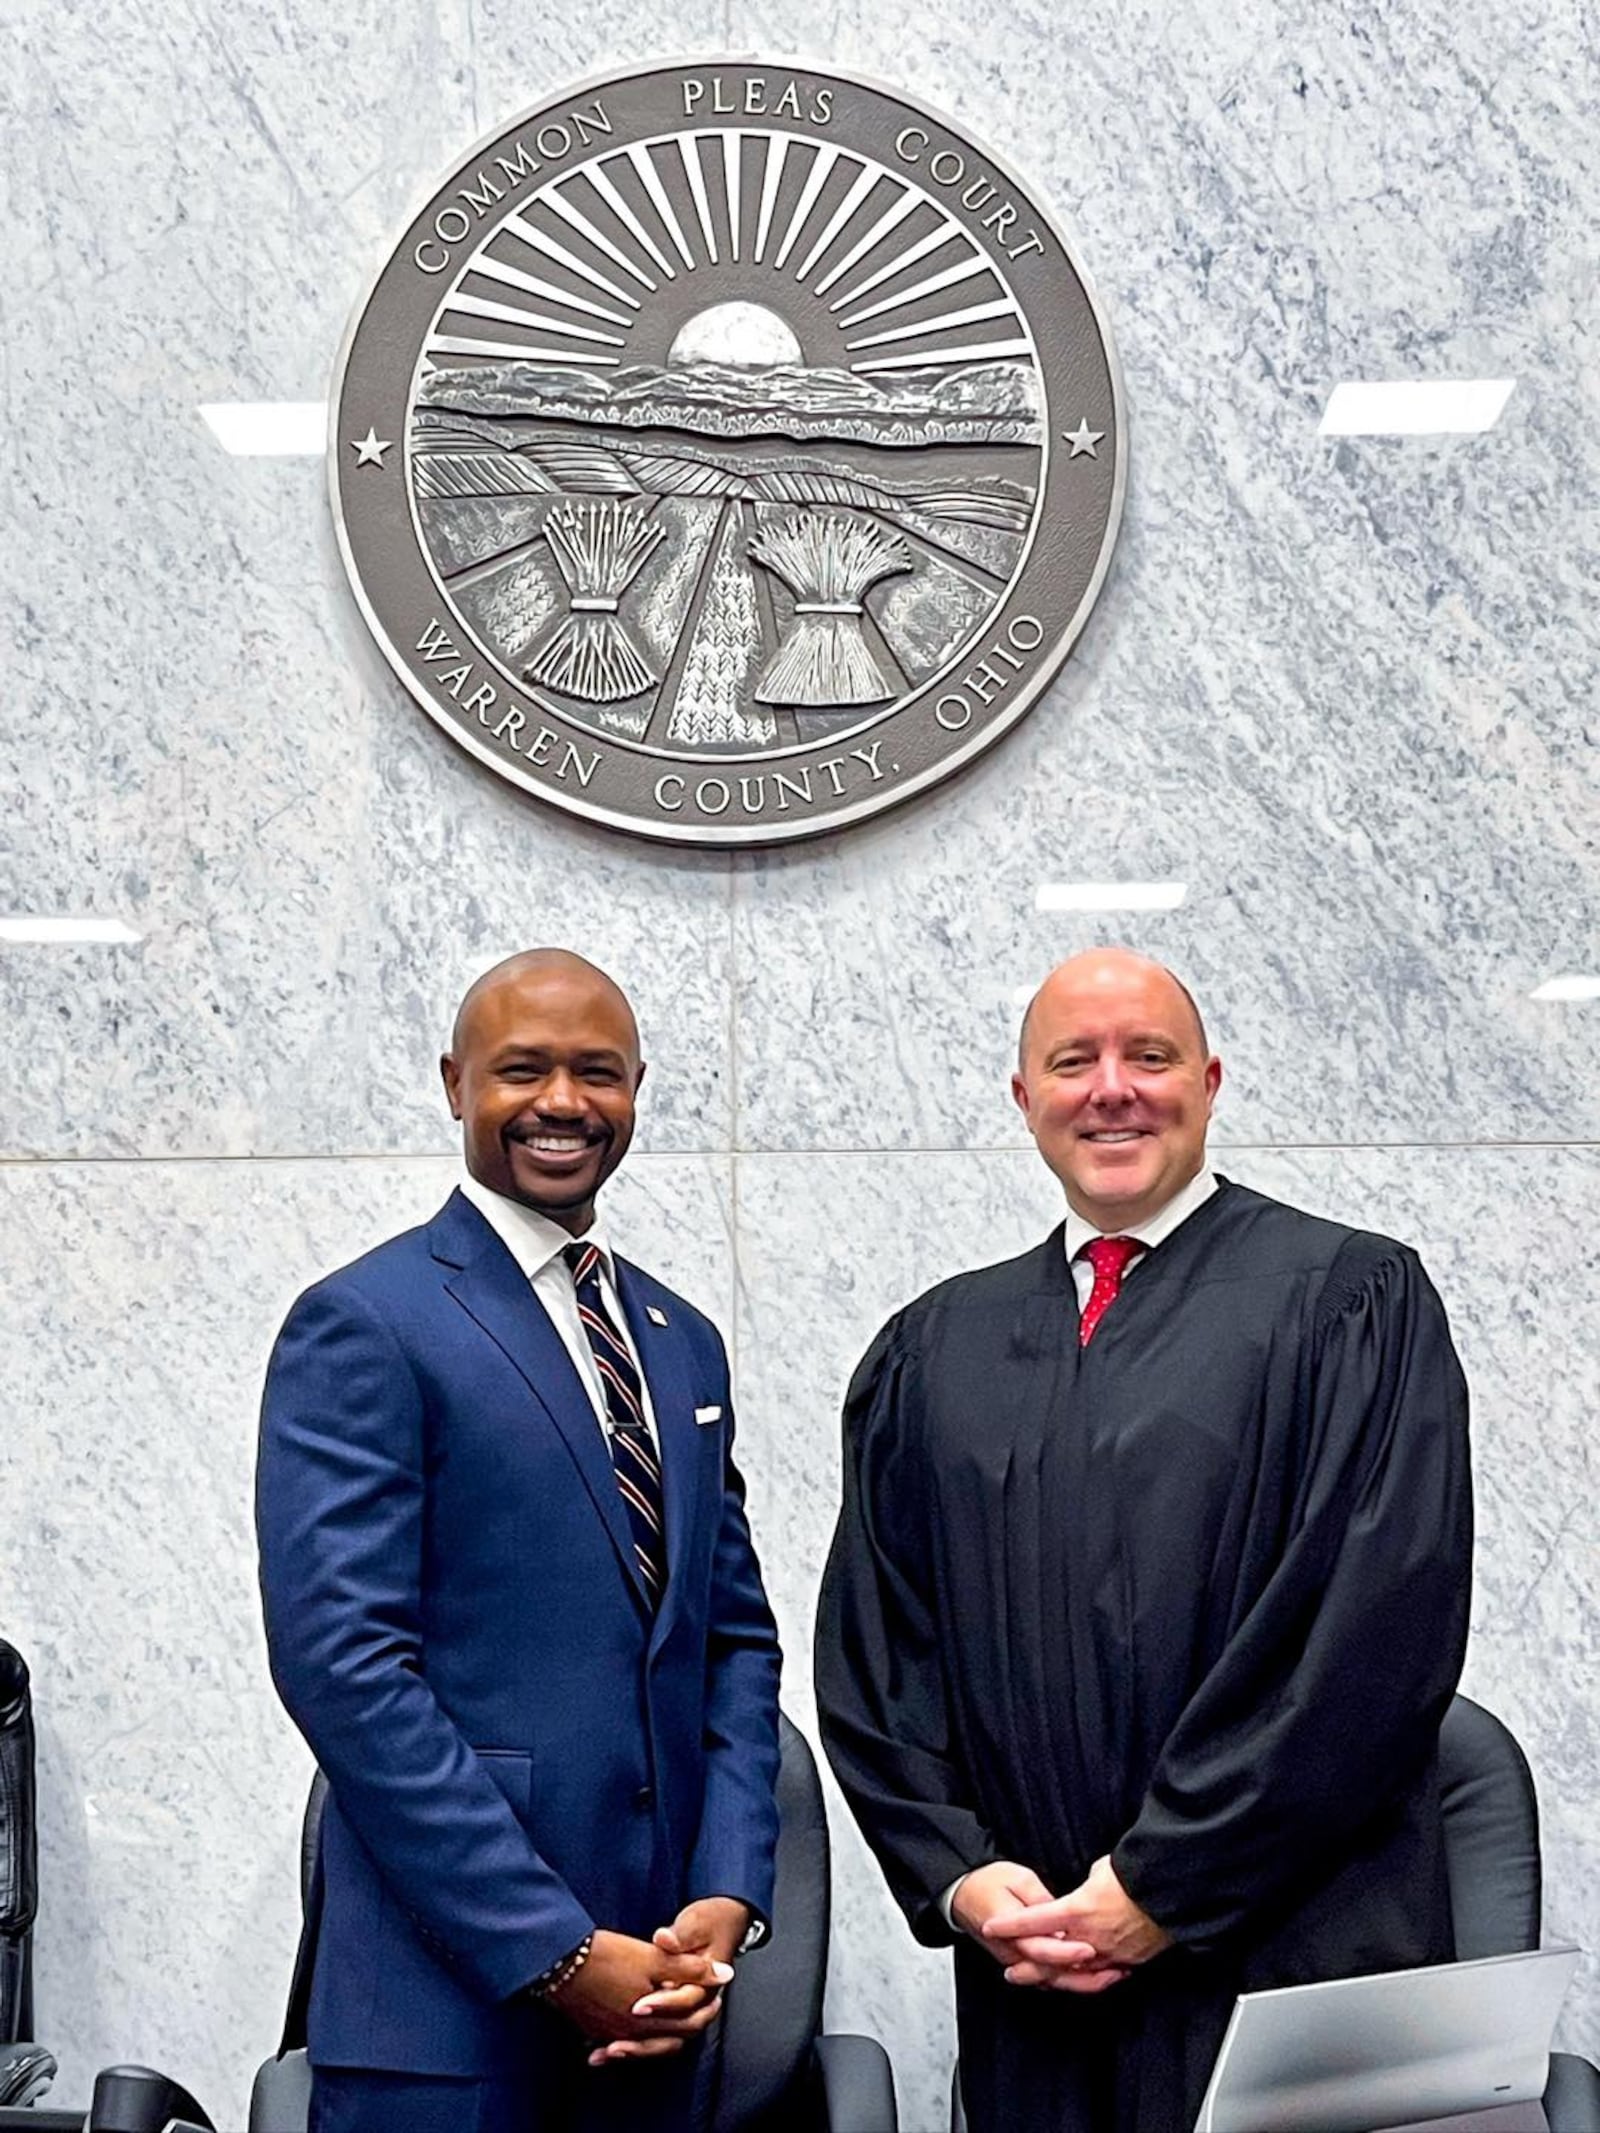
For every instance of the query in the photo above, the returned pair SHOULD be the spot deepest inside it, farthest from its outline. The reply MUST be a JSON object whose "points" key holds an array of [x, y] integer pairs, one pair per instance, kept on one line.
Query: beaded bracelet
{"points": [[549, 1982]]}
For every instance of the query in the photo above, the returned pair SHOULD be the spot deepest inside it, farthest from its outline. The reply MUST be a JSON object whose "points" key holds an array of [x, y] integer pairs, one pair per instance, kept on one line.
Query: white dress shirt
{"points": [[1149, 1233], [1160, 1225], [536, 1244]]}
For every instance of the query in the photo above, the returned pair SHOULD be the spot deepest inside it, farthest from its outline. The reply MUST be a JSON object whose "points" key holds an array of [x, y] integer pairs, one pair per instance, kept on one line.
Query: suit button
{"points": [[645, 1796]]}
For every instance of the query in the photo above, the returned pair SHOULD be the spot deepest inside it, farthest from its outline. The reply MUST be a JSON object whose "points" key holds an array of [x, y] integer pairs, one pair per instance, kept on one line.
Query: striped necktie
{"points": [[633, 1455], [1110, 1258]]}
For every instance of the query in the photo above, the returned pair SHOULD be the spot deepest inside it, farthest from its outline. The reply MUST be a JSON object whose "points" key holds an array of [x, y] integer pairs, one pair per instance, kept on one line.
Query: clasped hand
{"points": [[643, 1999], [1085, 1941]]}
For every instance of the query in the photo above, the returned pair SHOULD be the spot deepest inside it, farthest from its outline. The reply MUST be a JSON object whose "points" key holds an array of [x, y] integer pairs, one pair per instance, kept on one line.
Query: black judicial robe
{"points": [[1195, 1596]]}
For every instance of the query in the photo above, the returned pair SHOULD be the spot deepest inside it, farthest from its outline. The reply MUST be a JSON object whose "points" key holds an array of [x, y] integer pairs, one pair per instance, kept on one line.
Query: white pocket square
{"points": [[704, 1415]]}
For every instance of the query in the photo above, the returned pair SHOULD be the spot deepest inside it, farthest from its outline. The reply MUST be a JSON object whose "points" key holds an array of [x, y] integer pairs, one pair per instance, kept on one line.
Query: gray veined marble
{"points": [[1343, 677], [1343, 690], [199, 738], [317, 877]]}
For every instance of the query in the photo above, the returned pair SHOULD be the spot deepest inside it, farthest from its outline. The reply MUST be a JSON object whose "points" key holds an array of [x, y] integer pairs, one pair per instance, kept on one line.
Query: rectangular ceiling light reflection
{"points": [[1572, 987], [1415, 407], [268, 429], [1110, 895], [39, 932]]}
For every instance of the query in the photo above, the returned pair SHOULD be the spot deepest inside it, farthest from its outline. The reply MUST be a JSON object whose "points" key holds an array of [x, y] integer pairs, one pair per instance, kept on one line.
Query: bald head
{"points": [[1103, 970], [524, 971], [1116, 1083], [542, 1071]]}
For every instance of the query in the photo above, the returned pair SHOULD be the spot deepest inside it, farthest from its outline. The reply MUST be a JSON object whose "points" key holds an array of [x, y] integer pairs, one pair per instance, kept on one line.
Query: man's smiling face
{"points": [[542, 1073], [1116, 1085]]}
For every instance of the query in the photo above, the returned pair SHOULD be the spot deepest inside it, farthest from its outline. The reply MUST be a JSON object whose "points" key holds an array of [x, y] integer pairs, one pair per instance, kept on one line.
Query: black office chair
{"points": [[1491, 1836], [26, 2068], [127, 2099], [19, 1872], [779, 2073], [1491, 1840]]}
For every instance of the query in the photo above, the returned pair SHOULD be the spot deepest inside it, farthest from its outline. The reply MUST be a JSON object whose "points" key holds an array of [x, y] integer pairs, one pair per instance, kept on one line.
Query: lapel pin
{"points": [[655, 1316]]}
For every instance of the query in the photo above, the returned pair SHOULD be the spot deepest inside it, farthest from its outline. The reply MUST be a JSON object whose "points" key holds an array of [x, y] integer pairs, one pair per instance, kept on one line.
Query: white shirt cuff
{"points": [[947, 1903]]}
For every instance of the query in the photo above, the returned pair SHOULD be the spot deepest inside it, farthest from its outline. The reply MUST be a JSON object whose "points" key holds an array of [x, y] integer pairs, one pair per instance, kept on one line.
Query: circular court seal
{"points": [[727, 451]]}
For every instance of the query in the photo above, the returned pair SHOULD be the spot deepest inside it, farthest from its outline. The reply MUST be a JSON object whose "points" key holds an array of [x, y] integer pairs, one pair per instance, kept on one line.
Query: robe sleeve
{"points": [[1325, 1704], [880, 1681]]}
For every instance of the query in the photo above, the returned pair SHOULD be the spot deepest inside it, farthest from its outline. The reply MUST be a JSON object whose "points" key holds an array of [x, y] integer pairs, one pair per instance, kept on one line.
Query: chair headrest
{"points": [[13, 1684], [311, 1832]]}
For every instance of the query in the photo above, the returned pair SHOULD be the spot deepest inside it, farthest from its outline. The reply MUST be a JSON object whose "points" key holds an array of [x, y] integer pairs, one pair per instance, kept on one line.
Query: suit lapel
{"points": [[665, 1359], [491, 1288]]}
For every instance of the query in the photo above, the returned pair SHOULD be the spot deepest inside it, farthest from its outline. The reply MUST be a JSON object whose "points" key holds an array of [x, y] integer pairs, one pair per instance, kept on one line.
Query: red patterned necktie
{"points": [[1109, 1256]]}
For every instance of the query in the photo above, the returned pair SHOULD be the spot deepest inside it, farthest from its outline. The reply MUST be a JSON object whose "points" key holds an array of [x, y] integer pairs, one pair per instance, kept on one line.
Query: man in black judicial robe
{"points": [[1133, 1648]]}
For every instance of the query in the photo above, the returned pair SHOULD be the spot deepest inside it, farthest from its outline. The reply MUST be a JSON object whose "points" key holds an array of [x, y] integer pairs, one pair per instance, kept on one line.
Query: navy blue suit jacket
{"points": [[517, 1751]]}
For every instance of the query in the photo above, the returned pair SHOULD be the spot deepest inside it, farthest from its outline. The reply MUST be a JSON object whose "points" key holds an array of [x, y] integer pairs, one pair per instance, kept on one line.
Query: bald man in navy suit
{"points": [[512, 1604]]}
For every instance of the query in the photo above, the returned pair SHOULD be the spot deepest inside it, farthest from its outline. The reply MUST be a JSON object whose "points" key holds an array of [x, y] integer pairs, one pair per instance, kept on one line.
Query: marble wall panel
{"points": [[318, 873], [828, 1246], [200, 739], [139, 1304], [1343, 673], [1342, 678]]}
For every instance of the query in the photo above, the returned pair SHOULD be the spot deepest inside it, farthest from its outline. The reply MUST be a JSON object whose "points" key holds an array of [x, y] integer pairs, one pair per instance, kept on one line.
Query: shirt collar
{"points": [[532, 1239], [1160, 1225]]}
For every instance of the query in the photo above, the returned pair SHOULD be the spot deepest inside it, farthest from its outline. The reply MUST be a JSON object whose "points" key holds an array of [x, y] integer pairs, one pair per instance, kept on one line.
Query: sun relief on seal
{"points": [[726, 441]]}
